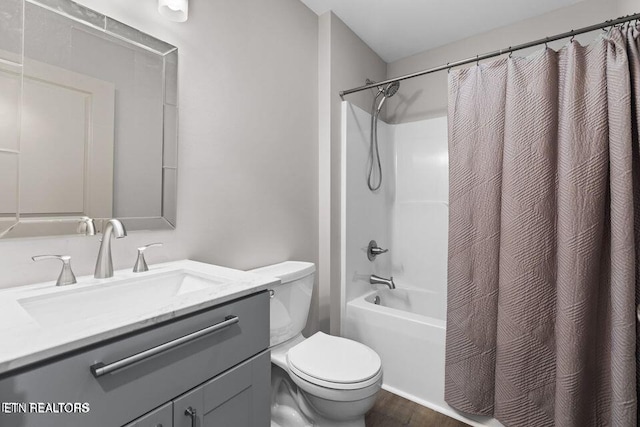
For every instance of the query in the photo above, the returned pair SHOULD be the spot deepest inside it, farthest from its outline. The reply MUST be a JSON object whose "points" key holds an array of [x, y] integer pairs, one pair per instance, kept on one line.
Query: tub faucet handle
{"points": [[141, 263], [373, 250], [66, 275]]}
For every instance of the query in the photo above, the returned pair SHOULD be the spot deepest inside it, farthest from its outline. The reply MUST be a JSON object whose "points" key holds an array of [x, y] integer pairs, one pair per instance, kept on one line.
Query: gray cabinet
{"points": [[117, 398], [237, 398], [161, 417]]}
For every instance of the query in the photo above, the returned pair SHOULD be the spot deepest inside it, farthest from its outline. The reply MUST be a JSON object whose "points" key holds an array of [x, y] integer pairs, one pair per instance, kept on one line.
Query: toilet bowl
{"points": [[322, 380]]}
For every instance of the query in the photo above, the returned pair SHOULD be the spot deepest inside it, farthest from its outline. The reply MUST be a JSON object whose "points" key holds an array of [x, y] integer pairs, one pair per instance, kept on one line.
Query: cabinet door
{"points": [[187, 409], [237, 398], [161, 417]]}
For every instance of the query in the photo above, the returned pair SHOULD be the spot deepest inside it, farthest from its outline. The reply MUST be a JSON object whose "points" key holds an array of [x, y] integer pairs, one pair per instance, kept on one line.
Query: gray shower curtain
{"points": [[544, 226]]}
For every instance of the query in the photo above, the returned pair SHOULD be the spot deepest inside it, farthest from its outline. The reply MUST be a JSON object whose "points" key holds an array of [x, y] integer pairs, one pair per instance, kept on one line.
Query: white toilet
{"points": [[322, 380]]}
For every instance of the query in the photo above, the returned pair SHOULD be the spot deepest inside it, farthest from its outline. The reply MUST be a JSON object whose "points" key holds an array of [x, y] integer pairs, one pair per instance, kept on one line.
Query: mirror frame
{"points": [[42, 226]]}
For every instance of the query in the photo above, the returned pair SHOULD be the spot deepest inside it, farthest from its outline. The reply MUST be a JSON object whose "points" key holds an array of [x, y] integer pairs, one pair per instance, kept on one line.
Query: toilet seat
{"points": [[334, 362]]}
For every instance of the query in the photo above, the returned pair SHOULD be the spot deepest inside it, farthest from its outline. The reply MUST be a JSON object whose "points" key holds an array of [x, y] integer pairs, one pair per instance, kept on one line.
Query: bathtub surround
{"points": [[542, 288], [419, 215], [409, 216], [365, 214]]}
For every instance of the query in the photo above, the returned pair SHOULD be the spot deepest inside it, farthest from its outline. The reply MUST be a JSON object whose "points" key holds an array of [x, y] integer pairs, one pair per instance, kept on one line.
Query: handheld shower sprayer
{"points": [[374, 153]]}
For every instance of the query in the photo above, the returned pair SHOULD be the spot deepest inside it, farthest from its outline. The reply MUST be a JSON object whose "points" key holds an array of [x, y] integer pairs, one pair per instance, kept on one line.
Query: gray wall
{"points": [[345, 61], [248, 156], [426, 96], [259, 156]]}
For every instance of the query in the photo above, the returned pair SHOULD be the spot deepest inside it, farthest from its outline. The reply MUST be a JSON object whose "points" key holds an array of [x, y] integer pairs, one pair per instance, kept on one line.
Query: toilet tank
{"points": [[289, 305]]}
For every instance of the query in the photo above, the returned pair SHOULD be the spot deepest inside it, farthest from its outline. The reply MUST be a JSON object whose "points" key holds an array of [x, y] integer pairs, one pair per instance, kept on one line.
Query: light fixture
{"points": [[174, 10]]}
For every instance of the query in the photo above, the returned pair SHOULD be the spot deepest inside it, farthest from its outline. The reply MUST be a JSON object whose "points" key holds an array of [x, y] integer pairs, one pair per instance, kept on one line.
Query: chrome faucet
{"points": [[377, 280], [104, 263]]}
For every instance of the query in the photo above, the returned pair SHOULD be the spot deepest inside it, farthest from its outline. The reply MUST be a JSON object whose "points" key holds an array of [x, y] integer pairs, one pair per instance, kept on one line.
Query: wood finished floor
{"points": [[391, 410]]}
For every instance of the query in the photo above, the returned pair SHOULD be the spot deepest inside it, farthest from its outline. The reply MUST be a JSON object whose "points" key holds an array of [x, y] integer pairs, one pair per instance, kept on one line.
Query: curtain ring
{"points": [[573, 37], [448, 68], [477, 60]]}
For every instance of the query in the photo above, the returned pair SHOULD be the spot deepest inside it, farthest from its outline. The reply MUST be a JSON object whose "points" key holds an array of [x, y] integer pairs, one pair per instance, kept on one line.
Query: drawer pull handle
{"points": [[100, 369], [190, 412]]}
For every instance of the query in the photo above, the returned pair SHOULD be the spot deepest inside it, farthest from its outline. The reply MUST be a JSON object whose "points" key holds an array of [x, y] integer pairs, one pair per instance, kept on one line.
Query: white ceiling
{"points": [[395, 29]]}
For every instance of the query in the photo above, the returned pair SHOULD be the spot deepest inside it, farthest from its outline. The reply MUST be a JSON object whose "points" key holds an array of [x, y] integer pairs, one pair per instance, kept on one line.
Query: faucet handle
{"points": [[87, 226], [150, 245], [141, 263], [66, 275], [373, 250]]}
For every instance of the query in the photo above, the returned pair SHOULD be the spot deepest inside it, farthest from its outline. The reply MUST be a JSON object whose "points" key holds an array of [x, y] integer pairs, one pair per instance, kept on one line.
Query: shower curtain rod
{"points": [[477, 58]]}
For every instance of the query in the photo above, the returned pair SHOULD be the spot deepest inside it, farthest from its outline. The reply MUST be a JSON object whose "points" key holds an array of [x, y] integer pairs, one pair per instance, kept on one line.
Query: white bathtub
{"points": [[407, 330]]}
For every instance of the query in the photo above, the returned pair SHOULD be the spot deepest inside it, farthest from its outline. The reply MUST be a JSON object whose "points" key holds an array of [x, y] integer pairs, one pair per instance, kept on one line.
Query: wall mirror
{"points": [[88, 121]]}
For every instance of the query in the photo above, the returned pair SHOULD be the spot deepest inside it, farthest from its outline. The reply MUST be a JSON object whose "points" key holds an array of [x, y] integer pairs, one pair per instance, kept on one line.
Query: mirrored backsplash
{"points": [[88, 121]]}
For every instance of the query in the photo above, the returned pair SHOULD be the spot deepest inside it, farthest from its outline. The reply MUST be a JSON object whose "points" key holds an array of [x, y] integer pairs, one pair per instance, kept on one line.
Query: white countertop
{"points": [[24, 341]]}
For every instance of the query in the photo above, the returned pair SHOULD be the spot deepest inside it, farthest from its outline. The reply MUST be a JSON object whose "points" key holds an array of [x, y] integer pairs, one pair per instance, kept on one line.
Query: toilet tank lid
{"points": [[287, 271]]}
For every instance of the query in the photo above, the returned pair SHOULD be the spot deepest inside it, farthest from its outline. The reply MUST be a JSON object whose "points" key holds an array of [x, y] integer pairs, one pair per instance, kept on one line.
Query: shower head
{"points": [[389, 91]]}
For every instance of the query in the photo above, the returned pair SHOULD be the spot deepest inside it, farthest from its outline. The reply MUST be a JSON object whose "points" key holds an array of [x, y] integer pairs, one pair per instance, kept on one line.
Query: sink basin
{"points": [[130, 297]]}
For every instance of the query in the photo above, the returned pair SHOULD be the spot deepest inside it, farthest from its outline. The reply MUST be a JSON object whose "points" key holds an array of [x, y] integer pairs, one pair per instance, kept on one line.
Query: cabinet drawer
{"points": [[123, 395]]}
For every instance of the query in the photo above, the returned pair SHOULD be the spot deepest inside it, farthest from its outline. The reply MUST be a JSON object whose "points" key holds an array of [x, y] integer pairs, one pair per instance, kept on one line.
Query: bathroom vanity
{"points": [[184, 344]]}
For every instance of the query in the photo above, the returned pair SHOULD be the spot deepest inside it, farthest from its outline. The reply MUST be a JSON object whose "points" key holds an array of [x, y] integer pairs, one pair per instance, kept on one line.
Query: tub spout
{"points": [[377, 280]]}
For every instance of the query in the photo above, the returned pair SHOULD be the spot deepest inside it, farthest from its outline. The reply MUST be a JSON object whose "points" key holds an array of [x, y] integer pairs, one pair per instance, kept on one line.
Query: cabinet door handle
{"points": [[99, 369], [190, 412]]}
